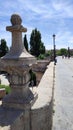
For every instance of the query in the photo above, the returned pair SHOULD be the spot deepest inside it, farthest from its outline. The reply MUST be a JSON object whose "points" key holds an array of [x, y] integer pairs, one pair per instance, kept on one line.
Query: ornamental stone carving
{"points": [[16, 19], [18, 63]]}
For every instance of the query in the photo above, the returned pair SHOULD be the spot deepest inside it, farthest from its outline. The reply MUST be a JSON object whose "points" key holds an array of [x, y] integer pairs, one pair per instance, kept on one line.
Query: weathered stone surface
{"points": [[39, 116], [41, 111], [17, 62], [19, 111], [2, 92], [39, 69], [16, 19], [17, 50], [11, 119]]}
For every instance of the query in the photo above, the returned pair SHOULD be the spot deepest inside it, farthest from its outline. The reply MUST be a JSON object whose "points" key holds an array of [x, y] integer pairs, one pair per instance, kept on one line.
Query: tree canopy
{"points": [[3, 47], [63, 51], [36, 45], [25, 42]]}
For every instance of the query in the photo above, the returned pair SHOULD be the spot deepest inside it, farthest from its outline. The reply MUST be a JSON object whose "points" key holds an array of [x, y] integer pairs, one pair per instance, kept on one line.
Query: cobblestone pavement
{"points": [[63, 95]]}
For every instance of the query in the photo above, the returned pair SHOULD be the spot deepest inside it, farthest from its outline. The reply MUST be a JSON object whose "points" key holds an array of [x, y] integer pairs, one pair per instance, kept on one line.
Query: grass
{"points": [[7, 88]]}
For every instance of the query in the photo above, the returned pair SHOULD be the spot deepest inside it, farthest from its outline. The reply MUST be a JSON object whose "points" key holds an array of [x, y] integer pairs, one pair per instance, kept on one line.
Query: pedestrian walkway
{"points": [[63, 95]]}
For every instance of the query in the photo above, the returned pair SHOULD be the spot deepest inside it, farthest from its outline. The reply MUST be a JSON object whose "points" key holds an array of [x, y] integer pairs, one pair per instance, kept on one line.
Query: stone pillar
{"points": [[18, 63], [16, 29]]}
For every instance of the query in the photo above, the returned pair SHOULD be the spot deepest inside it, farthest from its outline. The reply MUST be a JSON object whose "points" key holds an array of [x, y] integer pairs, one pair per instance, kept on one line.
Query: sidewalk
{"points": [[63, 95]]}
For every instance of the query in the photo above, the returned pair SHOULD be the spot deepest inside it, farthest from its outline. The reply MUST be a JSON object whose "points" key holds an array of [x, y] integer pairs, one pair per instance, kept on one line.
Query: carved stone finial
{"points": [[16, 19], [17, 62]]}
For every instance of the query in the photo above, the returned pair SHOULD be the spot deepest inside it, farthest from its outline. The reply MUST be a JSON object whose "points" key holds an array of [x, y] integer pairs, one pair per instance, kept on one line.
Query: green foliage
{"points": [[7, 88], [32, 78], [42, 48], [35, 41], [36, 45], [63, 51], [48, 53], [3, 48], [41, 57], [58, 53], [25, 42]]}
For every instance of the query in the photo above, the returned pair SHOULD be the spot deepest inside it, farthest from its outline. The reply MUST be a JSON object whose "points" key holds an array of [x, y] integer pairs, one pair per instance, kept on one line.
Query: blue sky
{"points": [[48, 16]]}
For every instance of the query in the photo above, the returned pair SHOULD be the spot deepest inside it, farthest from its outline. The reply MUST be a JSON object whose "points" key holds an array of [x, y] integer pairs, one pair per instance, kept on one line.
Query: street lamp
{"points": [[68, 52], [54, 48]]}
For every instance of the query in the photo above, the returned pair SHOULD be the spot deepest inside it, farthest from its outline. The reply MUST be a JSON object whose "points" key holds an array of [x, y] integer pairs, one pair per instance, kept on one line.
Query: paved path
{"points": [[63, 95]]}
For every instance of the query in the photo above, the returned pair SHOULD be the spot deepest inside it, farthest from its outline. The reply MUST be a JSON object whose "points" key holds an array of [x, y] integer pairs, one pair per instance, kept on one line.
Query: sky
{"points": [[48, 16]]}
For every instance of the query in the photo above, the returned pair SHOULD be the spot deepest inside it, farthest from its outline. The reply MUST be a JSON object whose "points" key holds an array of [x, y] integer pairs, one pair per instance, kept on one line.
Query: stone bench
{"points": [[2, 92]]}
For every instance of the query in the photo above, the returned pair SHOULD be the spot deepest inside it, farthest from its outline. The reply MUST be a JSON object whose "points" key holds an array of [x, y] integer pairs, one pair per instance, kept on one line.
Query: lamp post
{"points": [[54, 48], [68, 52]]}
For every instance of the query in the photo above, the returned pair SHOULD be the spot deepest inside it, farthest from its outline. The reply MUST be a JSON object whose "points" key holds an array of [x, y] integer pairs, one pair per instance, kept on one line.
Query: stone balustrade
{"points": [[23, 108], [42, 110], [40, 115]]}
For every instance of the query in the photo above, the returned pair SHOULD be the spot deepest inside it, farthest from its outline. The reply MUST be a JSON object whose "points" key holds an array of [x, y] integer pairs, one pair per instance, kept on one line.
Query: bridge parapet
{"points": [[42, 110]]}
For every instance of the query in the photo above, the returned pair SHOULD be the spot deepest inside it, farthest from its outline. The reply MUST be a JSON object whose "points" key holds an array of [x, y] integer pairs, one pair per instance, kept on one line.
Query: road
{"points": [[63, 95]]}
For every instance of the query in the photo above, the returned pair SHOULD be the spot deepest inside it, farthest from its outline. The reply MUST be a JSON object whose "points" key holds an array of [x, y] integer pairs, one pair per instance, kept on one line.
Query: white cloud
{"points": [[63, 8], [48, 16], [64, 39]]}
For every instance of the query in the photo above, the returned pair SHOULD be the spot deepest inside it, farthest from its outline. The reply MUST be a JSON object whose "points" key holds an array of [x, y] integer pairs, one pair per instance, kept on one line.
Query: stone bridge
{"points": [[63, 95], [32, 109], [25, 108]]}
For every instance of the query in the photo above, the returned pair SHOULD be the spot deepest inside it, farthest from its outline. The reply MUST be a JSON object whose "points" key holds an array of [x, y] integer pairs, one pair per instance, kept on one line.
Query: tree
{"points": [[36, 45], [42, 48], [25, 42], [63, 51], [35, 41], [3, 48]]}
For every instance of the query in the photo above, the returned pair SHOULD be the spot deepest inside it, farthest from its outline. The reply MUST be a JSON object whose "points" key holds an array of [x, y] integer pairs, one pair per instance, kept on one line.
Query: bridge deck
{"points": [[63, 95]]}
